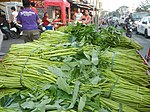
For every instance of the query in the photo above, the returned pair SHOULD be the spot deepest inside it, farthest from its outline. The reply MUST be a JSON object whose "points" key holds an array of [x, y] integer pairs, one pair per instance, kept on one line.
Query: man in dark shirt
{"points": [[29, 20]]}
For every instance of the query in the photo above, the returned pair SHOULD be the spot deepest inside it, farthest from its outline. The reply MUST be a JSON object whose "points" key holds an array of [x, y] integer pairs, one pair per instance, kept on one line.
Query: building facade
{"points": [[97, 8]]}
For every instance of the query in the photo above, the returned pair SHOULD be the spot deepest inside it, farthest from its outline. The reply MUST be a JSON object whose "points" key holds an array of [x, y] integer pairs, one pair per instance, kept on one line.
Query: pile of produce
{"points": [[81, 70]]}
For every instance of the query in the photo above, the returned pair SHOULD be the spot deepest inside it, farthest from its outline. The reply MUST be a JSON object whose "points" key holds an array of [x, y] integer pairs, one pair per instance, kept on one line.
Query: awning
{"points": [[82, 5], [56, 3], [61, 3]]}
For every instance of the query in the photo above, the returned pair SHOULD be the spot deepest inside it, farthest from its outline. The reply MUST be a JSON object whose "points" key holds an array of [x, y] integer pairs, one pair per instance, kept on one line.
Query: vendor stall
{"points": [[63, 4]]}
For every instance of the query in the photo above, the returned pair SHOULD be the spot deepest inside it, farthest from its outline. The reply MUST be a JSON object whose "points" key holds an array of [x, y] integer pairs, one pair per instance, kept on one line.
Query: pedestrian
{"points": [[1, 25], [46, 20], [78, 15], [1, 38], [86, 18], [33, 7], [13, 19], [92, 19], [19, 8], [29, 20]]}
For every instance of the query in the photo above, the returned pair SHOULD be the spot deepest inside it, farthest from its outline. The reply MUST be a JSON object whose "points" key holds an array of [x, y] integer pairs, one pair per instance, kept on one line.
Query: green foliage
{"points": [[82, 70]]}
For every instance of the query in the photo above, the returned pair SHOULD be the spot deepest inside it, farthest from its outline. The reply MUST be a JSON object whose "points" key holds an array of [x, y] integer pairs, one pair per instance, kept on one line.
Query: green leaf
{"points": [[63, 95], [103, 110], [7, 100], [14, 105], [39, 108], [87, 56], [95, 80], [67, 59], [82, 103], [72, 64], [94, 69], [40, 71], [56, 71], [28, 105], [65, 67], [94, 92], [55, 106], [46, 86], [62, 84], [95, 59], [85, 62], [120, 107], [75, 94]]}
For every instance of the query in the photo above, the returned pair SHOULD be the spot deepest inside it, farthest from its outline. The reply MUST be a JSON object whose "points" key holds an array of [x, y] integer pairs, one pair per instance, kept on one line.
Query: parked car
{"points": [[137, 16], [143, 26]]}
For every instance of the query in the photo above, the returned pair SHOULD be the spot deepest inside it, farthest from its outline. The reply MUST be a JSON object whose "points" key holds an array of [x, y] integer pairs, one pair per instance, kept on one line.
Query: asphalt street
{"points": [[143, 41], [6, 44], [139, 38]]}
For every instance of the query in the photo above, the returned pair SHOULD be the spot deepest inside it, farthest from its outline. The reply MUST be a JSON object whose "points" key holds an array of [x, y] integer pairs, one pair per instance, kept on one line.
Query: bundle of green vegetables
{"points": [[53, 75], [82, 84], [128, 65], [105, 37]]}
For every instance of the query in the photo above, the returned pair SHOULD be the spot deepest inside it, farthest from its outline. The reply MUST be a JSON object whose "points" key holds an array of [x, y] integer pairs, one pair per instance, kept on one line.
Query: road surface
{"points": [[143, 41]]}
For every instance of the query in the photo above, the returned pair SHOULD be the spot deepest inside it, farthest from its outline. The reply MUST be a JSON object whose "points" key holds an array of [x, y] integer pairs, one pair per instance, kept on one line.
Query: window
{"points": [[144, 21], [149, 20]]}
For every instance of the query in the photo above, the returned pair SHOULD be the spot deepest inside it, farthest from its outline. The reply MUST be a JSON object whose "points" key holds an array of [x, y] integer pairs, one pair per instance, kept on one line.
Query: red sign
{"points": [[38, 3]]}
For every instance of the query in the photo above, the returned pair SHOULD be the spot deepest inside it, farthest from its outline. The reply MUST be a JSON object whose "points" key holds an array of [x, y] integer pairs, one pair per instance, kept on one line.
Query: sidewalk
{"points": [[7, 44]]}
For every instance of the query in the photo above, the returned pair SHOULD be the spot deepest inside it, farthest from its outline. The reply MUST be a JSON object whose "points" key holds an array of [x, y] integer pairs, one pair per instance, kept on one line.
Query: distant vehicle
{"points": [[137, 16], [129, 29], [121, 20], [143, 26]]}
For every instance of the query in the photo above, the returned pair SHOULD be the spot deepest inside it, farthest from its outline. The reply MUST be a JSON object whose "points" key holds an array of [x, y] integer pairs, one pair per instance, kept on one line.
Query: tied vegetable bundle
{"points": [[128, 65], [52, 74], [106, 37], [82, 84]]}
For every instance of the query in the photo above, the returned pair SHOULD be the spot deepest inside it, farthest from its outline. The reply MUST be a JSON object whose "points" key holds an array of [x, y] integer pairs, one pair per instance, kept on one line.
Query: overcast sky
{"points": [[111, 5]]}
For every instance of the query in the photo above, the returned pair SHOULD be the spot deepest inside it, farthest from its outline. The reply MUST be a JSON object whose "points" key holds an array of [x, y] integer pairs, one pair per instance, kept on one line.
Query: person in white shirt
{"points": [[13, 19], [1, 38], [78, 15], [1, 25]]}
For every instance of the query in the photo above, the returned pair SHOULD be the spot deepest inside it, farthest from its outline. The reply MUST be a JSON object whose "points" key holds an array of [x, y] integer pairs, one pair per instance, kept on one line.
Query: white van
{"points": [[6, 6]]}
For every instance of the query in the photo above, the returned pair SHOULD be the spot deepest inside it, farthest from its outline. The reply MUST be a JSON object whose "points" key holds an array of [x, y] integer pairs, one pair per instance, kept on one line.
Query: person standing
{"points": [[33, 7], [1, 25], [46, 20], [19, 8], [86, 18], [29, 20], [92, 19], [14, 14], [78, 15], [1, 34], [1, 38]]}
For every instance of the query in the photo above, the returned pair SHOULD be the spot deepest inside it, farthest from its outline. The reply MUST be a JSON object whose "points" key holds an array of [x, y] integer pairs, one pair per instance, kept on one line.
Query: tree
{"points": [[105, 13], [144, 7], [123, 10]]}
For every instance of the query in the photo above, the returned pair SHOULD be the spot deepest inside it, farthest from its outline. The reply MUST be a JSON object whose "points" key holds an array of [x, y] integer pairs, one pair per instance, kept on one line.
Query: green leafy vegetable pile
{"points": [[81, 70]]}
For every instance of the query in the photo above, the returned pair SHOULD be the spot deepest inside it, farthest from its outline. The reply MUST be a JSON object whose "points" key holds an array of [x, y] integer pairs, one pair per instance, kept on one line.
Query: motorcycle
{"points": [[6, 32], [16, 31], [129, 29], [41, 28]]}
